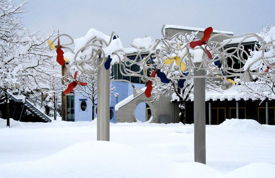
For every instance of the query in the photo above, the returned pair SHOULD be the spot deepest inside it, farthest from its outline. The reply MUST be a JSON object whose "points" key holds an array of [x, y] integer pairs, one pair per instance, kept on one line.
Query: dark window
{"points": [[83, 105], [117, 72], [70, 108]]}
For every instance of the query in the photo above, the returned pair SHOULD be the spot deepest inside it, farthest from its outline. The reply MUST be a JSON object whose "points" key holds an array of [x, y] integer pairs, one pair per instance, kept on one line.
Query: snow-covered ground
{"points": [[235, 149]]}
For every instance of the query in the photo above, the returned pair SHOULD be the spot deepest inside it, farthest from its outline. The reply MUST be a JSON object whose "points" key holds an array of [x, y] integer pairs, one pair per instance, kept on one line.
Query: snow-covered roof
{"points": [[145, 42], [195, 29], [240, 39], [236, 92]]}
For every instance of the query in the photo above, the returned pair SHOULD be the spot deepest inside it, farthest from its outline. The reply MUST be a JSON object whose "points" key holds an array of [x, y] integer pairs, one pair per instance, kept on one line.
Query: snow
{"points": [[92, 33], [251, 60], [238, 39], [240, 124], [130, 50], [236, 148], [268, 34], [255, 60], [123, 102], [115, 45], [144, 43], [197, 54]]}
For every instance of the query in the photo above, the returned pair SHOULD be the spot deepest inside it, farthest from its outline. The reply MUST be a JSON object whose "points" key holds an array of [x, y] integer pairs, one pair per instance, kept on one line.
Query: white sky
{"points": [[138, 18]]}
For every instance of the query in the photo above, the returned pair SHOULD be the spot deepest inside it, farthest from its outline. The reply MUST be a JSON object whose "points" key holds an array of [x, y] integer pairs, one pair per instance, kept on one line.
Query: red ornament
{"points": [[60, 58], [149, 85], [267, 69], [206, 35], [149, 88], [73, 84]]}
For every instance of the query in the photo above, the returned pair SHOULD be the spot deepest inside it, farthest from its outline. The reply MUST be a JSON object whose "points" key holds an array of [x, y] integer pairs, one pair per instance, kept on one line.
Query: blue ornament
{"points": [[185, 73], [218, 63], [223, 73], [181, 83], [107, 63], [162, 77]]}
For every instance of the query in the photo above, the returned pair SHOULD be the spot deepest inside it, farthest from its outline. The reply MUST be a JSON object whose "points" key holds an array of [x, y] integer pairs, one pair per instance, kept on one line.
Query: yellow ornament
{"points": [[177, 59], [51, 44], [66, 60], [231, 81]]}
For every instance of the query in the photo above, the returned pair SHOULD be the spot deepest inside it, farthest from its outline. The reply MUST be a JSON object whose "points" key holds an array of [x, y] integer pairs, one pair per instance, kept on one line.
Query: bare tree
{"points": [[25, 61]]}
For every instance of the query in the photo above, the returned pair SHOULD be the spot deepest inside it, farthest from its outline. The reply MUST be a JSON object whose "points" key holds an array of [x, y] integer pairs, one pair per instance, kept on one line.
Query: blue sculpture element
{"points": [[185, 73], [162, 77], [107, 63], [181, 83], [218, 63]]}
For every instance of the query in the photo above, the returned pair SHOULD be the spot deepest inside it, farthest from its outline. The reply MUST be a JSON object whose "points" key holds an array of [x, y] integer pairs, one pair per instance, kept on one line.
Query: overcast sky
{"points": [[138, 18]]}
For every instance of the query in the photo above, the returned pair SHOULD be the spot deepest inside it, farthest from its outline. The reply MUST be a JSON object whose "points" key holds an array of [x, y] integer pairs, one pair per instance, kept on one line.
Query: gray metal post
{"points": [[103, 110], [266, 112], [199, 117], [237, 110]]}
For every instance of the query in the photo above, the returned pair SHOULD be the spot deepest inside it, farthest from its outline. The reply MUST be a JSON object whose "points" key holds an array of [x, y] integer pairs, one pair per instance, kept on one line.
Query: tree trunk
{"points": [[54, 106], [8, 110], [63, 96], [93, 108], [183, 112], [42, 99]]}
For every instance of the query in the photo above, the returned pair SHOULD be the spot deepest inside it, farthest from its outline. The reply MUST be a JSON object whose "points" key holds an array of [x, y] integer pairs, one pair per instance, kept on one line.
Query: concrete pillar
{"points": [[103, 110], [237, 110], [199, 117], [266, 112]]}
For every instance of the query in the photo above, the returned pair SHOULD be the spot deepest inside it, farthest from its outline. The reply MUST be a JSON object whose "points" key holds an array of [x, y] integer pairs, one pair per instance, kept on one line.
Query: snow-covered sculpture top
{"points": [[171, 59]]}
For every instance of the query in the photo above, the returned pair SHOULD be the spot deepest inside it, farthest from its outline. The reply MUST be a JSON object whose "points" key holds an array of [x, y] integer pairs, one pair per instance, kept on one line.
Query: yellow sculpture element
{"points": [[231, 81], [177, 59], [66, 60], [51, 44], [53, 47]]}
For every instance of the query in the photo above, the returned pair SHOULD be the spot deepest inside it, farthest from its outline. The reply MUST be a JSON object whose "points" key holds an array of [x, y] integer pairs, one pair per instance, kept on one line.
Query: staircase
{"points": [[36, 111], [30, 106]]}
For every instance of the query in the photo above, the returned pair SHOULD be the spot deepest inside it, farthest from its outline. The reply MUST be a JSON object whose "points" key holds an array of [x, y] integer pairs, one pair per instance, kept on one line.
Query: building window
{"points": [[117, 74], [242, 112], [70, 108], [83, 105], [218, 115], [262, 115]]}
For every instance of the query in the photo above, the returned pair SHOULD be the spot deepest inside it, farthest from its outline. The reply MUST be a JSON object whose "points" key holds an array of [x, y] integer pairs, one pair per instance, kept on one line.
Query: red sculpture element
{"points": [[59, 51], [206, 35], [267, 69], [149, 85], [149, 88], [209, 55], [153, 74], [73, 84]]}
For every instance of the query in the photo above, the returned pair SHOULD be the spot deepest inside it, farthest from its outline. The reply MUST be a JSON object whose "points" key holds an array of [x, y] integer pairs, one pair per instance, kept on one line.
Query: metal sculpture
{"points": [[179, 58]]}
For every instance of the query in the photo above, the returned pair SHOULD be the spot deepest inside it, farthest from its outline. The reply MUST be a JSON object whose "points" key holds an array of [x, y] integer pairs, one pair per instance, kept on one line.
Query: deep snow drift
{"points": [[235, 149]]}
